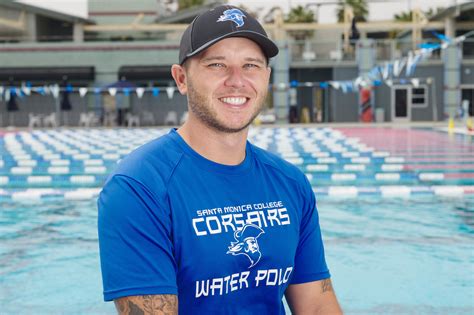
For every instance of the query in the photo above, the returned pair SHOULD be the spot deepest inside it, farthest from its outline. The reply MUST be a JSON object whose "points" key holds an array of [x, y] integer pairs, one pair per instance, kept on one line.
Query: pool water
{"points": [[386, 255], [396, 209], [401, 256], [49, 259]]}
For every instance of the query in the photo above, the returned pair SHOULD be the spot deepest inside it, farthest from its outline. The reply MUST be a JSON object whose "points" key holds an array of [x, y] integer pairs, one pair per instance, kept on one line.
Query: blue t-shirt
{"points": [[225, 239]]}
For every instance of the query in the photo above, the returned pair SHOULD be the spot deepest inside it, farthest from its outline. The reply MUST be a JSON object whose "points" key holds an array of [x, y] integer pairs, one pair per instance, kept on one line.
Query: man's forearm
{"points": [[161, 304], [311, 298]]}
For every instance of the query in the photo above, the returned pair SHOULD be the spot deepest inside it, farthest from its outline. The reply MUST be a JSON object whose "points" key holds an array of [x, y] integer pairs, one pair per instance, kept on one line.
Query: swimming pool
{"points": [[386, 255], [396, 208]]}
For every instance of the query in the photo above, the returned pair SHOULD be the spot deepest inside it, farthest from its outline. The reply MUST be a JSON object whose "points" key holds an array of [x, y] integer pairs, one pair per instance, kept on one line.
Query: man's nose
{"points": [[235, 78]]}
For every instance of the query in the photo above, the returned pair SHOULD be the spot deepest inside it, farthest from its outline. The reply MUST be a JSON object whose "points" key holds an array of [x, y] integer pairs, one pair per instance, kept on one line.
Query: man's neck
{"points": [[220, 147]]}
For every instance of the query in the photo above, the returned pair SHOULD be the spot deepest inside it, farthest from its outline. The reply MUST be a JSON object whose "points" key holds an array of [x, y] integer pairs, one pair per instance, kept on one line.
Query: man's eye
{"points": [[217, 65], [251, 65]]}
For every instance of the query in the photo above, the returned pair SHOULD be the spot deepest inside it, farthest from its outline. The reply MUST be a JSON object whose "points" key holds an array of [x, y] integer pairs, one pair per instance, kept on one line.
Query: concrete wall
{"points": [[383, 99], [344, 107], [121, 5], [106, 57], [383, 94], [434, 93], [467, 73], [122, 12]]}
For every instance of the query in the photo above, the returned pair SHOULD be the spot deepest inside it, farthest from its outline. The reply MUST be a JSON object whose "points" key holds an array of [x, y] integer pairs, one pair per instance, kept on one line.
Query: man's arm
{"points": [[161, 304], [315, 297]]}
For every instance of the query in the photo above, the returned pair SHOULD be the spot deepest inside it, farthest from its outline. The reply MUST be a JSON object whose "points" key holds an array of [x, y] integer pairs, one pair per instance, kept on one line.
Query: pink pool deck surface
{"points": [[421, 149]]}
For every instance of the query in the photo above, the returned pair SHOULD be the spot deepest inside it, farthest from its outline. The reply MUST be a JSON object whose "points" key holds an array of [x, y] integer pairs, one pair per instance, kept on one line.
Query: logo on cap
{"points": [[234, 15]]}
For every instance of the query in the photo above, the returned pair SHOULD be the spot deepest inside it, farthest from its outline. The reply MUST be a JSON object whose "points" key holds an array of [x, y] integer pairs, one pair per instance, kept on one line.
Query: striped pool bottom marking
{"points": [[322, 174], [32, 194], [38, 194], [318, 174], [76, 159], [394, 191]]}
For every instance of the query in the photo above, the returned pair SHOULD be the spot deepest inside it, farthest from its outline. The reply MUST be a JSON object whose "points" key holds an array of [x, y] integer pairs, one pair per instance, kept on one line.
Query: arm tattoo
{"points": [[326, 285], [163, 304]]}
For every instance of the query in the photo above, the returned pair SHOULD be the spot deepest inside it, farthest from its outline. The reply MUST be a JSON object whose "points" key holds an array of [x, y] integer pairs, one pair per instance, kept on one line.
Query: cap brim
{"points": [[267, 45]]}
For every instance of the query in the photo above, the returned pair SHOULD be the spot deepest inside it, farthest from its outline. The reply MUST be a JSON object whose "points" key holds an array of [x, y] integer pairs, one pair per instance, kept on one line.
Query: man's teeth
{"points": [[234, 100]]}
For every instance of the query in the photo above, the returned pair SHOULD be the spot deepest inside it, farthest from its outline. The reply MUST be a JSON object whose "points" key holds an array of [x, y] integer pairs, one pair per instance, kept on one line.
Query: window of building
{"points": [[419, 97]]}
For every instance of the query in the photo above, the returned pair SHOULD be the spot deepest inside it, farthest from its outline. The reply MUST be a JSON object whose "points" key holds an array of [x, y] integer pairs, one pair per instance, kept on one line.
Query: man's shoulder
{"points": [[152, 163], [278, 164]]}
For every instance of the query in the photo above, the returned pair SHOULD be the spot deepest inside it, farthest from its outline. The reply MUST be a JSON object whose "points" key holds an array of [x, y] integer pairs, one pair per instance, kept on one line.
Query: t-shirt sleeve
{"points": [[310, 263], [135, 241]]}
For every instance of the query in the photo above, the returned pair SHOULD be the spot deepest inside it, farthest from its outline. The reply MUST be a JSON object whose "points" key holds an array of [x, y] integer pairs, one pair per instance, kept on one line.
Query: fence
{"points": [[385, 50]]}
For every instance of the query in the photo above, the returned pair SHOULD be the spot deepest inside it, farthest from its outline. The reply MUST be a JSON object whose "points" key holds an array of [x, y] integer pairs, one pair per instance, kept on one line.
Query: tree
{"points": [[359, 8], [432, 12], [300, 14], [184, 4], [403, 16], [407, 16]]}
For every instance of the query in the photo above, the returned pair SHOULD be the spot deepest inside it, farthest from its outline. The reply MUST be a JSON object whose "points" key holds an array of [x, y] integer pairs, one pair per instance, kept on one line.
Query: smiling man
{"points": [[200, 221]]}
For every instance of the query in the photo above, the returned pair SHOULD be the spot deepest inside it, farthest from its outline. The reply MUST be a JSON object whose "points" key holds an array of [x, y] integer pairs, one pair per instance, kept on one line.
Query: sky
{"points": [[378, 9]]}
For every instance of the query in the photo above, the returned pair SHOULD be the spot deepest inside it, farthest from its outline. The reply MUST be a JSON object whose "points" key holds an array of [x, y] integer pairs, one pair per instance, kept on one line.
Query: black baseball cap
{"points": [[223, 22]]}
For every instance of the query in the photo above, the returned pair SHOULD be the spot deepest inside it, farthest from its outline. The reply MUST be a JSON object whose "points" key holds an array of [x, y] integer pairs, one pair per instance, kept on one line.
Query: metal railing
{"points": [[307, 50], [385, 50]]}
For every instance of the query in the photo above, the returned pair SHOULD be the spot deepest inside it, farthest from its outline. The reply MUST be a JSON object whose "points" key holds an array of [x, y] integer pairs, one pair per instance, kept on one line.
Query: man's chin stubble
{"points": [[214, 123], [209, 117]]}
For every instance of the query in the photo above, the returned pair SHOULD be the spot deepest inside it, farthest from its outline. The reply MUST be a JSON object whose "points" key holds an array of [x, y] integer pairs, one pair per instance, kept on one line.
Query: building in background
{"points": [[126, 51]]}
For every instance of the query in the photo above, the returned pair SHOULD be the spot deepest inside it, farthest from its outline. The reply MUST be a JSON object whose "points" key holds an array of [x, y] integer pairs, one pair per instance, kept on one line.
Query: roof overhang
{"points": [[453, 11]]}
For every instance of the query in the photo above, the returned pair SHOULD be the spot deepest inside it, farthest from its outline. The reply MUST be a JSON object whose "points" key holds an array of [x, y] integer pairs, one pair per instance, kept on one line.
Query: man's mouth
{"points": [[234, 100]]}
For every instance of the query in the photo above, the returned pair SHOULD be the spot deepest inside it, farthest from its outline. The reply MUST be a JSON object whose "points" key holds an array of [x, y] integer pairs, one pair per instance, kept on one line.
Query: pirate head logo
{"points": [[246, 243], [234, 15]]}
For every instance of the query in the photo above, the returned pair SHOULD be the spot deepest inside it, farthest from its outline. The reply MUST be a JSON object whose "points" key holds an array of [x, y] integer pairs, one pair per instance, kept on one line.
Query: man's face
{"points": [[227, 84], [252, 245]]}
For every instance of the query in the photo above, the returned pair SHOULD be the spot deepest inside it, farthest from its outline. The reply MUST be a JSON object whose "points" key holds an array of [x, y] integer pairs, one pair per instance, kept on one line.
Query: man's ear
{"points": [[179, 75]]}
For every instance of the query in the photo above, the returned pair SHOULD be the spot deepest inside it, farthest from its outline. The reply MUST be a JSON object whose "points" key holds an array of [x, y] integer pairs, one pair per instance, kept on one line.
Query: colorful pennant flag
{"points": [[54, 90], [112, 91], [83, 91], [140, 91], [170, 91]]}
